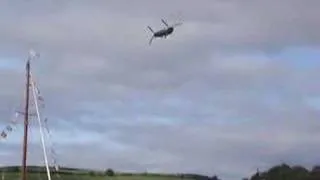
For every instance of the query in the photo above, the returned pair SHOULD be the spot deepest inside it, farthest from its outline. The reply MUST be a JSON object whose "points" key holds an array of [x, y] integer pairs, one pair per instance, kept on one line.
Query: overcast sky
{"points": [[235, 88]]}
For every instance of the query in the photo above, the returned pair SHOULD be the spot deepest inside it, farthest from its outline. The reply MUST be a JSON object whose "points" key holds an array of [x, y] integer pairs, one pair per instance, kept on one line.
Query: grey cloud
{"points": [[230, 112], [86, 27], [214, 146], [155, 137]]}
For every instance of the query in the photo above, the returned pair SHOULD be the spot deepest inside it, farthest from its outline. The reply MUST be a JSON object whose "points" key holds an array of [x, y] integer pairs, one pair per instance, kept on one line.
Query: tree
{"points": [[285, 172], [315, 173], [91, 173], [256, 176], [282, 172], [299, 173], [215, 177], [109, 172]]}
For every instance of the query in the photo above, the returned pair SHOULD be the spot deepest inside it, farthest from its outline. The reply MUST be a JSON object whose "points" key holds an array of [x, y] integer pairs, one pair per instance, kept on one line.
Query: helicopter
{"points": [[163, 33]]}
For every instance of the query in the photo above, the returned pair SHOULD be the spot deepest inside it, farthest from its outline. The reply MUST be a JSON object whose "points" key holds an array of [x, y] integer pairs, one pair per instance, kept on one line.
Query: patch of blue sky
{"points": [[112, 145], [272, 100], [7, 63], [4, 154], [75, 137], [313, 102], [303, 58], [158, 120]]}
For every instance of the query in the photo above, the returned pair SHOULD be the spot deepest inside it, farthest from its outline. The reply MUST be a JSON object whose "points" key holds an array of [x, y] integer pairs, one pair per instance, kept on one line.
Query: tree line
{"points": [[286, 172]]}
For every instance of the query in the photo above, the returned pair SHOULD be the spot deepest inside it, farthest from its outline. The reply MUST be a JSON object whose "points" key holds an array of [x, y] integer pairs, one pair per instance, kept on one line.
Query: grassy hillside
{"points": [[43, 176], [39, 173]]}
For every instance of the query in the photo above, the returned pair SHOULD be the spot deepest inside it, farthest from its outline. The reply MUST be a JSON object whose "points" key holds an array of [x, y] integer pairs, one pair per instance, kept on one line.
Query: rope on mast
{"points": [[48, 132], [40, 127]]}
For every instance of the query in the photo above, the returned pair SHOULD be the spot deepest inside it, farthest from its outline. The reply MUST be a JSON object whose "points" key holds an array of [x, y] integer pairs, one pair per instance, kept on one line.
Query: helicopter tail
{"points": [[150, 29]]}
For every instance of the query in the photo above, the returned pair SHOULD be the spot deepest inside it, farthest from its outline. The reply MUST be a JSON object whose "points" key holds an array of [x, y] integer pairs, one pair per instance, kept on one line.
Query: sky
{"points": [[235, 88]]}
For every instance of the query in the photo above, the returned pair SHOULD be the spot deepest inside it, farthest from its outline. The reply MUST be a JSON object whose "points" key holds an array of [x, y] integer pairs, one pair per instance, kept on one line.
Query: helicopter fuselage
{"points": [[163, 32]]}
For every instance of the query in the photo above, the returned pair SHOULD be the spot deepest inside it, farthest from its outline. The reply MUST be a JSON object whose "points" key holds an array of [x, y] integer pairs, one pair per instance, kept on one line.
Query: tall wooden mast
{"points": [[26, 123]]}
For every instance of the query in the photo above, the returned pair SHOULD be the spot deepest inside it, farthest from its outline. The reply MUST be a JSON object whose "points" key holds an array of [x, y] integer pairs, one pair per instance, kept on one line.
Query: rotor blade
{"points": [[177, 24], [150, 41], [150, 29], [165, 23]]}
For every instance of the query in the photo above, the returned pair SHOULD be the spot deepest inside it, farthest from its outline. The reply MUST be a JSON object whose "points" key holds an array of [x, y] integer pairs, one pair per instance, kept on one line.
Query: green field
{"points": [[39, 173], [43, 176]]}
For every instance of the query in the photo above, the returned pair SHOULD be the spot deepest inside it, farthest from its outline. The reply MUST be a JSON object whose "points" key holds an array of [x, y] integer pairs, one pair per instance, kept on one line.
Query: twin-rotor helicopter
{"points": [[163, 33]]}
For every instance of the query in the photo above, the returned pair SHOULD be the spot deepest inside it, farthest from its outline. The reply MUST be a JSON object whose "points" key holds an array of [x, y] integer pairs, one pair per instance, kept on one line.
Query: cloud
{"points": [[222, 95]]}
